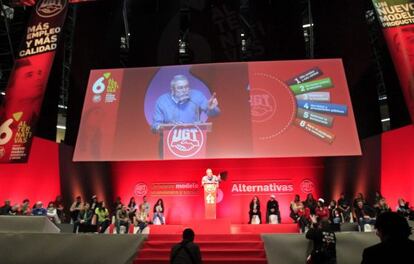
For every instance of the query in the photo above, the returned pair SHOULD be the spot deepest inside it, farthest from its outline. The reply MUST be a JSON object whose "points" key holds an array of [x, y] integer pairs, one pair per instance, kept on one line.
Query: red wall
{"points": [[188, 208], [397, 177], [36, 180]]}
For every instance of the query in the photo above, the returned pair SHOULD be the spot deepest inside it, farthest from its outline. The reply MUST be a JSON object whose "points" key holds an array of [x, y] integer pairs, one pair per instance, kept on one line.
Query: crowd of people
{"points": [[94, 216], [309, 211]]}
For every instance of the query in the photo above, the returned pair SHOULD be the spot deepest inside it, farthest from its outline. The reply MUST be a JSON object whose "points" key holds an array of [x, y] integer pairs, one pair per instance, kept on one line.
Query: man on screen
{"points": [[182, 105]]}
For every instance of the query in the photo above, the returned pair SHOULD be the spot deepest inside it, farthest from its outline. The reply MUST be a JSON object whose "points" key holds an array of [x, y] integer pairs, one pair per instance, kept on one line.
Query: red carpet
{"points": [[224, 227], [215, 248]]}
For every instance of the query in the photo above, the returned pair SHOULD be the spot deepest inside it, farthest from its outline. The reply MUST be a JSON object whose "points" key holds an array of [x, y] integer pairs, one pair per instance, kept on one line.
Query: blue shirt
{"points": [[168, 111], [39, 211]]}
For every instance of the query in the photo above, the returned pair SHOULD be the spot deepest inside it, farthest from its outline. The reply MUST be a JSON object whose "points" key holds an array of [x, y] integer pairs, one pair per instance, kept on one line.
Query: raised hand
{"points": [[212, 102]]}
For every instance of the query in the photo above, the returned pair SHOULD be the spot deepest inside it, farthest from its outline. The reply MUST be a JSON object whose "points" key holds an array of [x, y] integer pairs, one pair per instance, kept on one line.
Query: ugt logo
{"points": [[262, 104], [185, 142], [50, 8]]}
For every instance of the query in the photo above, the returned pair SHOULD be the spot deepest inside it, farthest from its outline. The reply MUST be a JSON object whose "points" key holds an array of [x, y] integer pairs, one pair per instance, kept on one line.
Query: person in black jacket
{"points": [[186, 252], [395, 247], [324, 243], [255, 209], [273, 209]]}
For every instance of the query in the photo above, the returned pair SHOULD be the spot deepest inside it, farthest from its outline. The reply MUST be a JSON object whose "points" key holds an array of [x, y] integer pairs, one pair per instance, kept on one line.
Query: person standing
{"points": [[186, 252], [210, 178], [324, 243]]}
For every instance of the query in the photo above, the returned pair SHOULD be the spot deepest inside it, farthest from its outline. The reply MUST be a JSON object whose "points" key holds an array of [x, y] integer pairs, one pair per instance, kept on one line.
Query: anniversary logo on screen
{"points": [[25, 91]]}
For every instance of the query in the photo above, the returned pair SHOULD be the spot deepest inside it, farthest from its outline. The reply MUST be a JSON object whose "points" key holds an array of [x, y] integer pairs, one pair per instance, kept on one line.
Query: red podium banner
{"points": [[184, 140], [210, 200]]}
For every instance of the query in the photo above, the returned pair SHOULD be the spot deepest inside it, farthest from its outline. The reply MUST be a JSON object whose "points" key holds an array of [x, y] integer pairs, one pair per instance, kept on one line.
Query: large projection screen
{"points": [[225, 110]]}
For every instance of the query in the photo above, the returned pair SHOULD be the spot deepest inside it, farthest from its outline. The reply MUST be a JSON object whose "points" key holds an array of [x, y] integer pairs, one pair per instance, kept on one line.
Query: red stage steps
{"points": [[215, 248]]}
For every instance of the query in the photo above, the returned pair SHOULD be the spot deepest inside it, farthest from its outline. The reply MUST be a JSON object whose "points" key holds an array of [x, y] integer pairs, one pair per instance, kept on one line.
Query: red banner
{"points": [[28, 80], [397, 20]]}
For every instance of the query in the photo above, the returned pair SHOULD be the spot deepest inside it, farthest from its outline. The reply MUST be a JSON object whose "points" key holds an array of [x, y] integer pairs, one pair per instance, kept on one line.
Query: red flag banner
{"points": [[25, 91], [397, 20]]}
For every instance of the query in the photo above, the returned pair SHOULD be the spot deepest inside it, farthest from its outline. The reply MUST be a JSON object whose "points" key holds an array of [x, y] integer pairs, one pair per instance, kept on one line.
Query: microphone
{"points": [[197, 111]]}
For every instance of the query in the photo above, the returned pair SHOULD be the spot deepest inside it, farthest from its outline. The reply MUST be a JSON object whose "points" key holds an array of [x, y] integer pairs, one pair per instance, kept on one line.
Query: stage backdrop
{"points": [[38, 179], [397, 165], [178, 183], [265, 109]]}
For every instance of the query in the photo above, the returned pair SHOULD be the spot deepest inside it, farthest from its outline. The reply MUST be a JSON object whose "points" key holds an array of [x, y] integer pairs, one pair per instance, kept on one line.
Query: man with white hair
{"points": [[182, 105], [210, 178]]}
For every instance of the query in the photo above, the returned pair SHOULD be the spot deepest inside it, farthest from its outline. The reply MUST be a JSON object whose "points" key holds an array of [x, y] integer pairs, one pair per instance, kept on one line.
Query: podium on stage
{"points": [[180, 141], [210, 200]]}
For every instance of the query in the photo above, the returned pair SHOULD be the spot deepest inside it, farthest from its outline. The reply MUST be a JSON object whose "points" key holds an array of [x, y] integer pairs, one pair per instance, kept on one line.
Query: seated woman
{"points": [[52, 213], [382, 207], [141, 217], [295, 205], [402, 208], [321, 211], [102, 220], [255, 216], [132, 207], [159, 212]]}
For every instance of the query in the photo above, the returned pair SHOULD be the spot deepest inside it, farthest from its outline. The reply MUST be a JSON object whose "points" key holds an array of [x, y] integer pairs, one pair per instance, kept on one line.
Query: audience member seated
{"points": [[102, 220], [52, 213], [186, 251], [358, 197], [304, 218], [84, 220], [403, 208], [324, 243], [321, 211], [117, 205], [39, 210], [344, 208], [382, 207], [377, 199], [255, 216], [122, 219], [60, 209], [25, 207], [158, 217], [15, 210], [364, 215], [272, 211], [141, 218], [310, 203], [6, 208], [132, 208], [146, 205], [295, 205], [93, 203], [75, 208], [395, 246], [335, 216]]}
